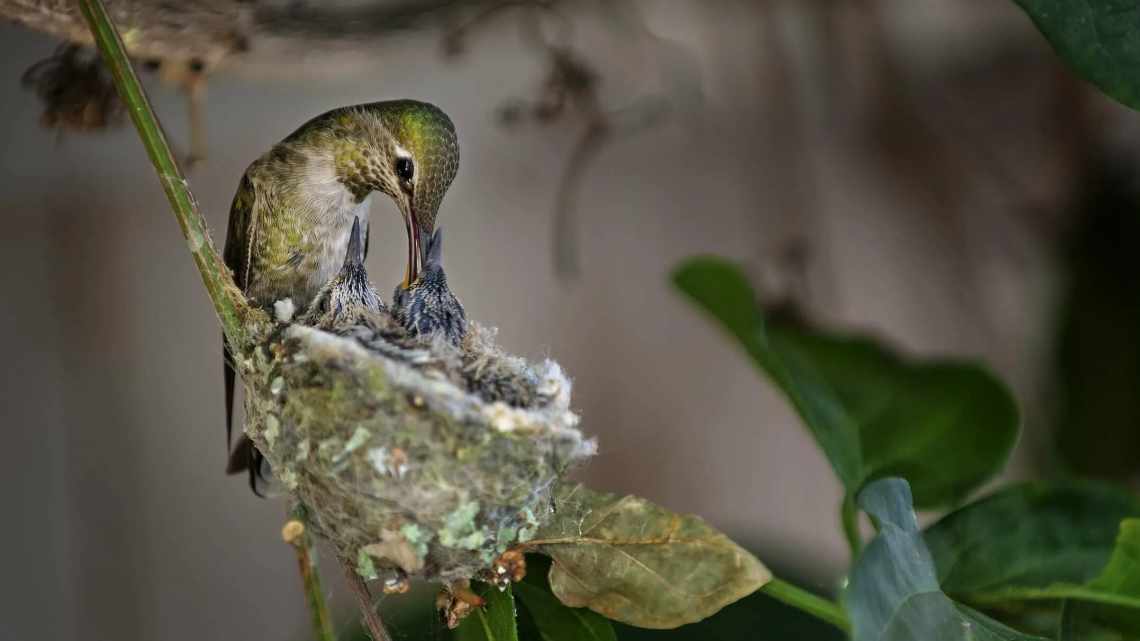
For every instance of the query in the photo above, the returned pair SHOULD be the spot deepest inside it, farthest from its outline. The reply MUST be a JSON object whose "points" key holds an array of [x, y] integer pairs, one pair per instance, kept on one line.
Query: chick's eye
{"points": [[404, 168]]}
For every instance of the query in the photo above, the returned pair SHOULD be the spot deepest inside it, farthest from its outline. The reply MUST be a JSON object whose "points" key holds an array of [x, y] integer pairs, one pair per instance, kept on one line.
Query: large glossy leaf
{"points": [[1099, 39], [894, 593], [1116, 602], [1108, 605], [1029, 536], [552, 619], [493, 622], [637, 563], [945, 426], [1070, 545]]}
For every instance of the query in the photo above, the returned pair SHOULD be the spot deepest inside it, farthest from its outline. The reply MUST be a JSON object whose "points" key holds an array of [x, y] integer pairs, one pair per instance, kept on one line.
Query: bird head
{"points": [[405, 149], [425, 160]]}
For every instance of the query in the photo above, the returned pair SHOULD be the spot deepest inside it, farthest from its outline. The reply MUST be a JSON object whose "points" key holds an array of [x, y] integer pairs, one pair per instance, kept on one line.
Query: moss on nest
{"points": [[411, 455]]}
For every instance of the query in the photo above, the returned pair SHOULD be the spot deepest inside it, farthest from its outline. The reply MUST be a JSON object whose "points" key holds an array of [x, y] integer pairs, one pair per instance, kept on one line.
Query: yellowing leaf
{"points": [[632, 561]]}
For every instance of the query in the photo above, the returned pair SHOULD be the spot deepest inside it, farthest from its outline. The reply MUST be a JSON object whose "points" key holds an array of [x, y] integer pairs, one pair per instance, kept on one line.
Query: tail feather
{"points": [[231, 380], [244, 457]]}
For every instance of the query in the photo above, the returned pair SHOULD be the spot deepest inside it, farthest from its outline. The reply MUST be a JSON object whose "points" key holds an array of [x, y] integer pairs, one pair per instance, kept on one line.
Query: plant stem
{"points": [[801, 599], [850, 516], [295, 535], [228, 302], [364, 599]]}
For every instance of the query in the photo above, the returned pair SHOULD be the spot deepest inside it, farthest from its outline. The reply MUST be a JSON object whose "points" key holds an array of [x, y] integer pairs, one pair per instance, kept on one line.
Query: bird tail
{"points": [[230, 381], [244, 457]]}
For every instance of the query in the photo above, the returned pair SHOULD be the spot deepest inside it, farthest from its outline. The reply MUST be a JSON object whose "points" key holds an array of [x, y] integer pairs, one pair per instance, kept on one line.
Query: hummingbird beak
{"points": [[412, 271], [418, 241]]}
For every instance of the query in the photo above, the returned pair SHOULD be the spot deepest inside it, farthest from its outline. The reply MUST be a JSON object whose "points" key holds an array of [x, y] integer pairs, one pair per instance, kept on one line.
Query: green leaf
{"points": [[1110, 601], [1028, 536], [1074, 546], [493, 622], [1116, 603], [894, 595], [945, 426], [637, 563], [558, 622], [1099, 39]]}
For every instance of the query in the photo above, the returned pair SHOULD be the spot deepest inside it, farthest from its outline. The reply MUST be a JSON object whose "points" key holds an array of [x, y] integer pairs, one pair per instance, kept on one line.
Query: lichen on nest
{"points": [[412, 456]]}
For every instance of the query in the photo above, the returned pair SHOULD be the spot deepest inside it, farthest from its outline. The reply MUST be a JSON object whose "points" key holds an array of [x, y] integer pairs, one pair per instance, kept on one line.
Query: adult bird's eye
{"points": [[404, 168]]}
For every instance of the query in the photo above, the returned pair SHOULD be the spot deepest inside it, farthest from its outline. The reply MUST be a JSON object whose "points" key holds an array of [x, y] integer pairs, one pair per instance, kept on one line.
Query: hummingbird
{"points": [[292, 216], [427, 305]]}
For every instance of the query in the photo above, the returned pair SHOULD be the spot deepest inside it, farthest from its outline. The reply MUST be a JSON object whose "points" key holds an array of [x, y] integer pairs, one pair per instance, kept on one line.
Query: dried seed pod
{"points": [[75, 89]]}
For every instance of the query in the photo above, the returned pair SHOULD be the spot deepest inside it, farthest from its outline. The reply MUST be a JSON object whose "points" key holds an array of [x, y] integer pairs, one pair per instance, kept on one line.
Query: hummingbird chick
{"points": [[427, 306], [292, 217], [348, 299]]}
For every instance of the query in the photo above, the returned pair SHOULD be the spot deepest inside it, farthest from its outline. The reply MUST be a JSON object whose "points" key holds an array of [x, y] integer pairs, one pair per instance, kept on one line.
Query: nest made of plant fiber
{"points": [[412, 456]]}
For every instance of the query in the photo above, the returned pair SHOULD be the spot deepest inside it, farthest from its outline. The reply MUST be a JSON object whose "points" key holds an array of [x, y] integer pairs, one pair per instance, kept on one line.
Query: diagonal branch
{"points": [[229, 304], [295, 535]]}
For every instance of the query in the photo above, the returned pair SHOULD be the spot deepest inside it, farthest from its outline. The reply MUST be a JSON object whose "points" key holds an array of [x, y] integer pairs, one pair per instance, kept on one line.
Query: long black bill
{"points": [[418, 242], [412, 271]]}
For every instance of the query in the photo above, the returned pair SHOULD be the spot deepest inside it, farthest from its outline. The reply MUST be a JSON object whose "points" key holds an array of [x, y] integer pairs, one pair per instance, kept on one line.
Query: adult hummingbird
{"points": [[292, 216]]}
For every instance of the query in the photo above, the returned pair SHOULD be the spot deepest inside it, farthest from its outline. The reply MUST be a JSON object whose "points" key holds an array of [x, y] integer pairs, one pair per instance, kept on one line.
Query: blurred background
{"points": [[921, 170]]}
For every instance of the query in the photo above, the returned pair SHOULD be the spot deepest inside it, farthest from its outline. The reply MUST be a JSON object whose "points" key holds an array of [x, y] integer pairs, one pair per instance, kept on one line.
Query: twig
{"points": [[565, 231], [196, 93], [364, 599], [229, 304], [294, 534], [801, 599], [214, 31], [849, 514]]}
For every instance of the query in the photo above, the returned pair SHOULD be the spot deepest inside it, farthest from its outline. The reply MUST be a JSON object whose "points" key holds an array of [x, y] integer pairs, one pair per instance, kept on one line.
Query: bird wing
{"points": [[238, 253], [240, 234]]}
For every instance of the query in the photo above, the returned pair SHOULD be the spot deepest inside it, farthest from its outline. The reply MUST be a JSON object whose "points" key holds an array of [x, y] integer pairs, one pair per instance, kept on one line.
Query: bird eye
{"points": [[405, 169]]}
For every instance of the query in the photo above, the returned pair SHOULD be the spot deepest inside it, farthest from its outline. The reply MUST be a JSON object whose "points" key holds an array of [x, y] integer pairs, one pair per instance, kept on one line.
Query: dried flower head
{"points": [[76, 91]]}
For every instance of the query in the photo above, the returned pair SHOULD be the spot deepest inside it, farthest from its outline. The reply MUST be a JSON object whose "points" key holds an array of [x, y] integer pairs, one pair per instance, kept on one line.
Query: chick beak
{"points": [[355, 253], [423, 244]]}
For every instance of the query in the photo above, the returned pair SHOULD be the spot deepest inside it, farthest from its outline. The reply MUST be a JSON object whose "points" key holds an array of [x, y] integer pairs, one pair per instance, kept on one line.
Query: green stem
{"points": [[801, 599], [228, 302], [295, 535], [850, 515]]}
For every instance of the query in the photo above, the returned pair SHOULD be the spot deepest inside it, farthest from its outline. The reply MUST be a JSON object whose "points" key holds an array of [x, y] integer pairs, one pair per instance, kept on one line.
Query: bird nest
{"points": [[413, 456]]}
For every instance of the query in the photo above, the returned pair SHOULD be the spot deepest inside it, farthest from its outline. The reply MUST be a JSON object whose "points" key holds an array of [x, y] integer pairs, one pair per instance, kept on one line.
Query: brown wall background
{"points": [[119, 523]]}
